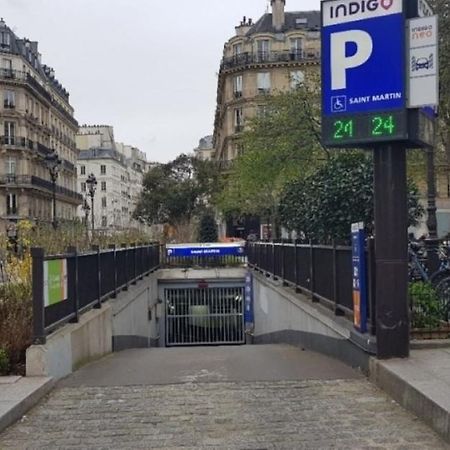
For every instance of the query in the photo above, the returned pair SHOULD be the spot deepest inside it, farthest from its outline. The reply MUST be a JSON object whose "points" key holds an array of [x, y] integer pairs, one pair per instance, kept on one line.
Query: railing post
{"points": [[72, 281], [39, 337], [134, 253], [142, 271], [273, 261], [297, 284], [337, 310], [371, 273], [127, 278], [98, 305], [113, 248], [312, 274], [283, 263]]}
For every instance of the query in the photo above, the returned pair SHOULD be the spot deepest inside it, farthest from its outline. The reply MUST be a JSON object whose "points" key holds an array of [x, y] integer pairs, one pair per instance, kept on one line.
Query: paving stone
{"points": [[338, 414]]}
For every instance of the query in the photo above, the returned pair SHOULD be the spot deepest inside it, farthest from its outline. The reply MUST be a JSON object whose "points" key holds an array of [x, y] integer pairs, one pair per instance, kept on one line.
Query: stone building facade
{"points": [[36, 118], [119, 170], [205, 149], [274, 54]]}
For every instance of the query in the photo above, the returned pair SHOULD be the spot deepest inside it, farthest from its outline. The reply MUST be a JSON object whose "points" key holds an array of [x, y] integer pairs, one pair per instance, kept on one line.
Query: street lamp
{"points": [[53, 163], [91, 183], [86, 208]]}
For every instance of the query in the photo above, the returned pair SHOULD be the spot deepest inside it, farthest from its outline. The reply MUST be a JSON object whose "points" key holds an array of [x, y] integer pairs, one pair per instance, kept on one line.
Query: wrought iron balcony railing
{"points": [[31, 180], [245, 59]]}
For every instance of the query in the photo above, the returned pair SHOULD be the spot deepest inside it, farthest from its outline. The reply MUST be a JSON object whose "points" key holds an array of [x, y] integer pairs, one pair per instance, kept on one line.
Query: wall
{"points": [[283, 316], [135, 318]]}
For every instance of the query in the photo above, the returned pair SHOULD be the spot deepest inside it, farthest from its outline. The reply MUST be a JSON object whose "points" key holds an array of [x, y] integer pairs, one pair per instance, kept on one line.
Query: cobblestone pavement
{"points": [[327, 414]]}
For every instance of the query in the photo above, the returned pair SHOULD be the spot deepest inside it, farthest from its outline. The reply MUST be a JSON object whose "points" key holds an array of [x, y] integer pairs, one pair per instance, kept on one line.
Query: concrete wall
{"points": [[283, 316], [135, 319], [73, 345]]}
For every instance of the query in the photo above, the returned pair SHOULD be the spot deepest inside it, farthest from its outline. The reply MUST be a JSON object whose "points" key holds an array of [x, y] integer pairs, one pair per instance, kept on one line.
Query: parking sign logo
{"points": [[339, 103]]}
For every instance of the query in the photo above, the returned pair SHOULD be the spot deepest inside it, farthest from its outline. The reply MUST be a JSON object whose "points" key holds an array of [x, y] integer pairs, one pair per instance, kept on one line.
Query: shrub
{"points": [[425, 305], [207, 229], [4, 362]]}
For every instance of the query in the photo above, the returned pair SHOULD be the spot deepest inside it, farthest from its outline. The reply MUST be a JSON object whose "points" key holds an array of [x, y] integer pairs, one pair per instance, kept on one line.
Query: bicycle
{"points": [[440, 280]]}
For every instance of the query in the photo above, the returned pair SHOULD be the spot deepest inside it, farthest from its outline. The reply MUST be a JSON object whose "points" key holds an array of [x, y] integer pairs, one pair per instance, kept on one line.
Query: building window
{"points": [[237, 49], [296, 49], [103, 186], [9, 133], [83, 170], [104, 222], [83, 187], [103, 202], [11, 204], [5, 39], [10, 167], [238, 120], [237, 86], [263, 82], [103, 170], [297, 78], [9, 99], [7, 67], [261, 110], [263, 49]]}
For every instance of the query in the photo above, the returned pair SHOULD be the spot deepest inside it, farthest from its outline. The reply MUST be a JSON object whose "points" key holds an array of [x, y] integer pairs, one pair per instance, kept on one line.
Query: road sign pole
{"points": [[391, 251]]}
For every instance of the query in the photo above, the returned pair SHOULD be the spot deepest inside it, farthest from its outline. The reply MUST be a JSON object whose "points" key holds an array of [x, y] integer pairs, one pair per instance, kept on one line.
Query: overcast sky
{"points": [[147, 67]]}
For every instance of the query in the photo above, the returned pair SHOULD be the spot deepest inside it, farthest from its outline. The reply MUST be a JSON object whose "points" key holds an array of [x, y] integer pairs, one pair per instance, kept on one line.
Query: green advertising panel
{"points": [[55, 281]]}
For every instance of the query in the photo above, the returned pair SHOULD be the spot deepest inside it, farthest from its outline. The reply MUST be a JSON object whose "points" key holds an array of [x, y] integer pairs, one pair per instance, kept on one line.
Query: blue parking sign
{"points": [[363, 56]]}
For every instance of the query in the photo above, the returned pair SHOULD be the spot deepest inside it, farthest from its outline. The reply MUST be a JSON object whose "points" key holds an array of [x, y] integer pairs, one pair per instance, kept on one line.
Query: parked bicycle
{"points": [[440, 279]]}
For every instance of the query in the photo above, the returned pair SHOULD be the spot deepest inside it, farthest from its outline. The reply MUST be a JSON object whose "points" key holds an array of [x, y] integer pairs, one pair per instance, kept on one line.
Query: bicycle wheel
{"points": [[442, 288]]}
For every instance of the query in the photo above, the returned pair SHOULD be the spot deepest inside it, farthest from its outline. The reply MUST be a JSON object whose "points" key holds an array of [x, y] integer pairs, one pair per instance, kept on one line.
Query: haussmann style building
{"points": [[264, 57], [36, 120]]}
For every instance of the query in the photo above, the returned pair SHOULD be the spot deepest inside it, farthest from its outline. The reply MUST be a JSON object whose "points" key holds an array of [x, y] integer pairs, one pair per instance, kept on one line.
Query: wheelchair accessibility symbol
{"points": [[339, 103]]}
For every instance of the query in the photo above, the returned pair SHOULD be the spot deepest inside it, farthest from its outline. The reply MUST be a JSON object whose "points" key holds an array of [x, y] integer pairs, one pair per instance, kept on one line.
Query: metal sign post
{"points": [[365, 56]]}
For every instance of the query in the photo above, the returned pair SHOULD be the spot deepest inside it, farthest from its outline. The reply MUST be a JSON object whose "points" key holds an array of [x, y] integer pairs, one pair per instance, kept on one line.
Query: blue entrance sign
{"points": [[210, 250], [363, 72], [359, 277], [248, 313]]}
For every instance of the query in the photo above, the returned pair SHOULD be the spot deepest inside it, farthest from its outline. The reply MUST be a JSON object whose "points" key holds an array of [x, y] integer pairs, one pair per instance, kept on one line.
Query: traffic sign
{"points": [[363, 72]]}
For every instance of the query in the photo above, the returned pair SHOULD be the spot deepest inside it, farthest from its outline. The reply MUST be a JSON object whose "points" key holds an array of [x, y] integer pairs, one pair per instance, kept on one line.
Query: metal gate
{"points": [[209, 316]]}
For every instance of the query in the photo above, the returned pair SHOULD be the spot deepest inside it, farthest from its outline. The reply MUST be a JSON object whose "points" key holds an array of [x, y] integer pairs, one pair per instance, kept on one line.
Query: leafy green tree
{"points": [[207, 228], [325, 204], [279, 145], [176, 192]]}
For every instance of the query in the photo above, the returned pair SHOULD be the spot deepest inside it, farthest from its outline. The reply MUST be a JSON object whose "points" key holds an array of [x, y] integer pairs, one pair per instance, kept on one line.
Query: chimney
{"points": [[278, 19]]}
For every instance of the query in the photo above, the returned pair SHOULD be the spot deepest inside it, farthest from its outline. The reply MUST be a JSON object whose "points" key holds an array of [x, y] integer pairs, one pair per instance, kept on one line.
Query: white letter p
{"points": [[340, 63]]}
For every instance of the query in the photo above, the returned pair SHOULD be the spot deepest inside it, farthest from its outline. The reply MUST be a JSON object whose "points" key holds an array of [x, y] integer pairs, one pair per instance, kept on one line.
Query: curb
{"points": [[26, 401], [413, 398]]}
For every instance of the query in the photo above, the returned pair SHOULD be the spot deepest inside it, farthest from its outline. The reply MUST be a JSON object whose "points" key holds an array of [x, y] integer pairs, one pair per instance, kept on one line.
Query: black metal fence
{"points": [[83, 281], [204, 261], [323, 272]]}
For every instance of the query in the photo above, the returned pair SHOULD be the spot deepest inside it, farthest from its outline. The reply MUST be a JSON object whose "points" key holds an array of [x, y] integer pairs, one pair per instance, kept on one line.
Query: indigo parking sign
{"points": [[363, 56], [363, 71]]}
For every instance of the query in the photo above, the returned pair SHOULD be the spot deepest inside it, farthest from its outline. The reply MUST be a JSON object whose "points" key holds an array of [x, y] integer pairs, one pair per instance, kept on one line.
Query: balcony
{"points": [[16, 141], [13, 180], [245, 59]]}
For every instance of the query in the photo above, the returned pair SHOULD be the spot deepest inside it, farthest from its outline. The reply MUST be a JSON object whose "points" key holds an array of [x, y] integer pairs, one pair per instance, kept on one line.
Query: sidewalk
{"points": [[19, 394], [420, 384]]}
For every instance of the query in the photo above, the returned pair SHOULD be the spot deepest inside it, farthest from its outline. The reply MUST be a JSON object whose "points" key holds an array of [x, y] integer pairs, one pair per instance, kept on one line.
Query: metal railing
{"points": [[321, 271], [245, 59], [83, 281], [202, 261]]}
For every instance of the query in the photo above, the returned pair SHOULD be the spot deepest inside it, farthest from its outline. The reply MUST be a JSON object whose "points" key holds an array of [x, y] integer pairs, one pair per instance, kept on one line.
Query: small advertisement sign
{"points": [[55, 282], [423, 62], [359, 277]]}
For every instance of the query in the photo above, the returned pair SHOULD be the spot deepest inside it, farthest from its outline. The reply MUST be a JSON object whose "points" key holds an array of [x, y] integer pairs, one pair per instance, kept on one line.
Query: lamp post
{"points": [[92, 185], [53, 163], [86, 208]]}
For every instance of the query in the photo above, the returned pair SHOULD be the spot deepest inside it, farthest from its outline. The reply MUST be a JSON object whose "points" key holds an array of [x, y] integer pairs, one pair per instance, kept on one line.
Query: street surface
{"points": [[250, 397]]}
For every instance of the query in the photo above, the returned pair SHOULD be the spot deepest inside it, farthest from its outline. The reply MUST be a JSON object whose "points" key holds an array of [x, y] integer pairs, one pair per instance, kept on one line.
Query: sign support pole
{"points": [[391, 251]]}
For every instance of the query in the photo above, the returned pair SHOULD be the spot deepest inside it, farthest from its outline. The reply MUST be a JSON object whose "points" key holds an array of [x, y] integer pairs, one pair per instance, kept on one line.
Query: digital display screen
{"points": [[363, 129]]}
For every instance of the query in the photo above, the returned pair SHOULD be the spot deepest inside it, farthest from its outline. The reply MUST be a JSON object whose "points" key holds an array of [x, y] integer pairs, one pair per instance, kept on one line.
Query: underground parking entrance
{"points": [[202, 312]]}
